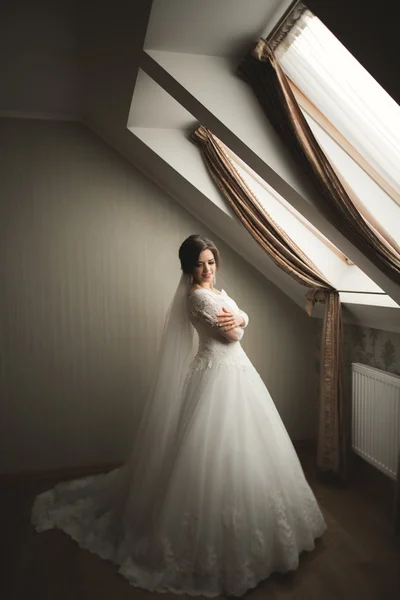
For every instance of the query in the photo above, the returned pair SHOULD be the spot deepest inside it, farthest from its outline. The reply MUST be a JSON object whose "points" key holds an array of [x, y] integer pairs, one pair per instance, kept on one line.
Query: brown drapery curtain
{"points": [[288, 256], [261, 69]]}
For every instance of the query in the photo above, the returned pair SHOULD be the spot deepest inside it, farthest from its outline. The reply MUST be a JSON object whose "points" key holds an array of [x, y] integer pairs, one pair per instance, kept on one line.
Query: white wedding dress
{"points": [[232, 506]]}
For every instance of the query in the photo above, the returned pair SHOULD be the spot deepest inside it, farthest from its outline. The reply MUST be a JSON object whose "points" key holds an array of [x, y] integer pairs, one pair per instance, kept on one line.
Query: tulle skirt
{"points": [[230, 506]]}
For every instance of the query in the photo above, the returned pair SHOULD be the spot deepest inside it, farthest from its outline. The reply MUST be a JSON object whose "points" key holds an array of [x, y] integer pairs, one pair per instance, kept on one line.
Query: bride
{"points": [[212, 499]]}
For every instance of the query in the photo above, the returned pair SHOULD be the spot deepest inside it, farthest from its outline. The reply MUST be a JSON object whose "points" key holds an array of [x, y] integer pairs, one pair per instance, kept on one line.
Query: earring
{"points": [[215, 280]]}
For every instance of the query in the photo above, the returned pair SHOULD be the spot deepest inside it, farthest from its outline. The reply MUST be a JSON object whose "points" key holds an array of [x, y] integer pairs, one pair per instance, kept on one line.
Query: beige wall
{"points": [[88, 266]]}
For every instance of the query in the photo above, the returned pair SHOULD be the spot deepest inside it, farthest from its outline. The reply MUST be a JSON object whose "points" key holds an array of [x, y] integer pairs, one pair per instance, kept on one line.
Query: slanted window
{"points": [[354, 285], [354, 120]]}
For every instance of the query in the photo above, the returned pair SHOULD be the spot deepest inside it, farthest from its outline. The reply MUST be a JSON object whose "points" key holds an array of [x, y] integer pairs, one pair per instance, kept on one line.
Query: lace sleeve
{"points": [[203, 307]]}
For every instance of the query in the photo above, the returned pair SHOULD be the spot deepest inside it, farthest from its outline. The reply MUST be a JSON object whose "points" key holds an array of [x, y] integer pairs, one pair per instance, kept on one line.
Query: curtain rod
{"points": [[358, 292], [283, 18]]}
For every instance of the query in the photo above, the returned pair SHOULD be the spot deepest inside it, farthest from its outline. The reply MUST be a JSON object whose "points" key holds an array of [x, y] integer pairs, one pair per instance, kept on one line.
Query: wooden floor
{"points": [[358, 558]]}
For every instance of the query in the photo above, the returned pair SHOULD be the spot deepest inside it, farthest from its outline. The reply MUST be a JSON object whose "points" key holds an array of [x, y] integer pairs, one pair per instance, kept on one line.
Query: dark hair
{"points": [[191, 249]]}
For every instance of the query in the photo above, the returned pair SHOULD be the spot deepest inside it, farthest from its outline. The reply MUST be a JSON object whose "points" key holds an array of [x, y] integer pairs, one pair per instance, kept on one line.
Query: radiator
{"points": [[376, 417]]}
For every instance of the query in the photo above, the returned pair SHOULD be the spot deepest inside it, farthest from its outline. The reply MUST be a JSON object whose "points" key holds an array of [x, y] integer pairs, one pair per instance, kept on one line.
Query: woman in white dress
{"points": [[213, 498]]}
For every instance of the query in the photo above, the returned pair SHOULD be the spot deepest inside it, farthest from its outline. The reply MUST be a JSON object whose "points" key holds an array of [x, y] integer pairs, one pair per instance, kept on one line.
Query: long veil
{"points": [[116, 513], [147, 470]]}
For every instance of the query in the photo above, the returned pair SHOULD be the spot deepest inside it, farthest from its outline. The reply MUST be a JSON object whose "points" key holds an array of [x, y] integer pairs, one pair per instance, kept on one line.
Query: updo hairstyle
{"points": [[191, 249]]}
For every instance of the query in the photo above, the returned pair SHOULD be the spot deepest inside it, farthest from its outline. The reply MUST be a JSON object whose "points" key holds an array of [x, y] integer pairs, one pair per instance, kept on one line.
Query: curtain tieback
{"points": [[312, 297]]}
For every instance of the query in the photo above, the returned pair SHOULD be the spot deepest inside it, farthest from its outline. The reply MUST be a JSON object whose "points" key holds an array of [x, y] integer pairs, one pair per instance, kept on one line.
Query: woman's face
{"points": [[205, 268]]}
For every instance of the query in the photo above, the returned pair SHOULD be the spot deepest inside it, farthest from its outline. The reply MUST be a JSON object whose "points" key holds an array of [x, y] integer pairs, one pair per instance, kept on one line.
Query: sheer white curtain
{"points": [[346, 94]]}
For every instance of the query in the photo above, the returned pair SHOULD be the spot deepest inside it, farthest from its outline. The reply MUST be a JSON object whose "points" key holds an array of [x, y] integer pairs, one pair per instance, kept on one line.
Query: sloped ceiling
{"points": [[91, 58], [197, 71], [39, 45]]}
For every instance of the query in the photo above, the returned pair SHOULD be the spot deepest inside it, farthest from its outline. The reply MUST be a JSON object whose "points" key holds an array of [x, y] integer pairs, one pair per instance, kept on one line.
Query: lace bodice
{"points": [[216, 347]]}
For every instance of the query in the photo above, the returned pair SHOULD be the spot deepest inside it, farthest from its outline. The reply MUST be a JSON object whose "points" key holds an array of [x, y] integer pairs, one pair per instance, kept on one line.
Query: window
{"points": [[354, 285], [354, 120], [346, 95]]}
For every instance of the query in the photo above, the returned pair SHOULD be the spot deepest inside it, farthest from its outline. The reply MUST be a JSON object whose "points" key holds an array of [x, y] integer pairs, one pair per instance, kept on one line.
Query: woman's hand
{"points": [[228, 320]]}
